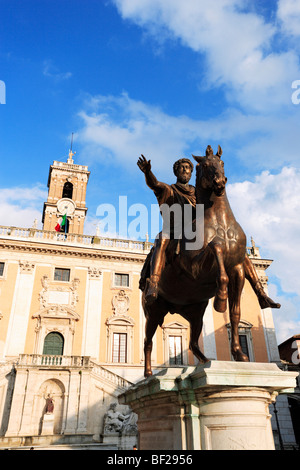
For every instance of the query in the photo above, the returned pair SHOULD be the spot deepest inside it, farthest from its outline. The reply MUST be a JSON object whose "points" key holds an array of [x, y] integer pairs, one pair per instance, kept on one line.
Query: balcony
{"points": [[73, 239], [54, 361], [46, 361]]}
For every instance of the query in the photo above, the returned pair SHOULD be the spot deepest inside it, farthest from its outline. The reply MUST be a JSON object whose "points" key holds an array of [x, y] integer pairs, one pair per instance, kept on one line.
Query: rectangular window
{"points": [[62, 274], [244, 344], [175, 350], [119, 348], [121, 280], [1, 269]]}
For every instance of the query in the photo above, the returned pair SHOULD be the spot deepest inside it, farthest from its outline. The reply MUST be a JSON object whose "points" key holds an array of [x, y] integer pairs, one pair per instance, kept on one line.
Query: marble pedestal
{"points": [[217, 406], [48, 424]]}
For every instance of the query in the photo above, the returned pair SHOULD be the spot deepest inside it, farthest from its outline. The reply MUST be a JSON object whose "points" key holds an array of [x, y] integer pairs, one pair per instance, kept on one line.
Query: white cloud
{"points": [[120, 129], [51, 71], [288, 13], [237, 45], [286, 319], [123, 128], [268, 209], [19, 207]]}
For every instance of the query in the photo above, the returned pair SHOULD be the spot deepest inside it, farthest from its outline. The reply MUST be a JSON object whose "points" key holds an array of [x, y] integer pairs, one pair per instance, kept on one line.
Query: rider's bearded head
{"points": [[183, 170]]}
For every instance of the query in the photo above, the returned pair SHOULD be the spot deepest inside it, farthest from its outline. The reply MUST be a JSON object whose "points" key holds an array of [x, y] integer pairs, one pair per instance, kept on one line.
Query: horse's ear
{"points": [[209, 150], [198, 159], [219, 152]]}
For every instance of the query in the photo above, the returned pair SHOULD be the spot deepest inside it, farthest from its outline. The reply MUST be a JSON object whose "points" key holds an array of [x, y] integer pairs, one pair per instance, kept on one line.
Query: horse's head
{"points": [[210, 171]]}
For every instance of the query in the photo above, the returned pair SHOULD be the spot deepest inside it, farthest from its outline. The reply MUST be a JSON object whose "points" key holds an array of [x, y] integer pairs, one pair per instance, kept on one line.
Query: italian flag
{"points": [[61, 223]]}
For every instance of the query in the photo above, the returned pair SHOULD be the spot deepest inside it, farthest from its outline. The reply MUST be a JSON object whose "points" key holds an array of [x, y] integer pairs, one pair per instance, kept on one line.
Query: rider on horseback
{"points": [[180, 193]]}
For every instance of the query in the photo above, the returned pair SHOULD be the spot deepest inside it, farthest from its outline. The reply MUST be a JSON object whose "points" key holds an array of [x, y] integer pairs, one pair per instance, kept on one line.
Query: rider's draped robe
{"points": [[175, 194], [170, 194]]}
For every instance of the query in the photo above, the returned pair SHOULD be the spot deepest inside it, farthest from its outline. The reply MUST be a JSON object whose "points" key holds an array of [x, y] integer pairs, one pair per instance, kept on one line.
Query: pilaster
{"points": [[18, 322], [92, 314]]}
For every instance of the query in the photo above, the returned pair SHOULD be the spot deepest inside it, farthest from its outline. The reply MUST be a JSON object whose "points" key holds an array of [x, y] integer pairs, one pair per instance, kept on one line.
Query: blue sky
{"points": [[164, 78]]}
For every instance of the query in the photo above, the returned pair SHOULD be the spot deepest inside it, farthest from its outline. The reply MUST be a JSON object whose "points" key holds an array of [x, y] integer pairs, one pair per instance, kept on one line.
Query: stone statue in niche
{"points": [[49, 405]]}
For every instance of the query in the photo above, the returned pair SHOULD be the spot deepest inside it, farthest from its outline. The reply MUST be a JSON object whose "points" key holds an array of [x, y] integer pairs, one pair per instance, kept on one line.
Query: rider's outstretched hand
{"points": [[144, 164]]}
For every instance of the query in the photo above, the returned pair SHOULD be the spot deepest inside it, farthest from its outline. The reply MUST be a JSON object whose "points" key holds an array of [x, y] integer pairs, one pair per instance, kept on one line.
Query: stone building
{"points": [[72, 325], [289, 352]]}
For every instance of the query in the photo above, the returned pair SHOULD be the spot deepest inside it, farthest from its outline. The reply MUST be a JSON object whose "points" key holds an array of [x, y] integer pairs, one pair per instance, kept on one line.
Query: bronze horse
{"points": [[216, 270]]}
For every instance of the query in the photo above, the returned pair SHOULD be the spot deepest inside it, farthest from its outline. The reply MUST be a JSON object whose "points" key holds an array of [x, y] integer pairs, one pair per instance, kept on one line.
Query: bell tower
{"points": [[67, 184]]}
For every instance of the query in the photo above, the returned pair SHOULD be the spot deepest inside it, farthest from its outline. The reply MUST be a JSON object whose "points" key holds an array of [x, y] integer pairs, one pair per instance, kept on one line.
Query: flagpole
{"points": [[66, 222]]}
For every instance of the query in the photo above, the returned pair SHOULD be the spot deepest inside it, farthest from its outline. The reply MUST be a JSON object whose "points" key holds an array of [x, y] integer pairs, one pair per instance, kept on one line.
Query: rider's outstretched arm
{"points": [[151, 180]]}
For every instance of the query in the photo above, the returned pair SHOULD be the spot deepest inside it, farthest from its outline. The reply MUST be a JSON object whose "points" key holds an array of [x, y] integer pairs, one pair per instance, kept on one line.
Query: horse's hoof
{"points": [[266, 302], [203, 360], [220, 305], [239, 356], [150, 299], [148, 373]]}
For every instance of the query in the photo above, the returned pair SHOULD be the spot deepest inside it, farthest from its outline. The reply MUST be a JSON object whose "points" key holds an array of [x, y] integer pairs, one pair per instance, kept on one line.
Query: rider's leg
{"points": [[145, 273], [157, 264]]}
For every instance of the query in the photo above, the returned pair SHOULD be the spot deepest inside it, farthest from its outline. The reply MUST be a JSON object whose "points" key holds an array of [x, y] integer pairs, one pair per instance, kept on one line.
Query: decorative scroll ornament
{"points": [[53, 295], [120, 303]]}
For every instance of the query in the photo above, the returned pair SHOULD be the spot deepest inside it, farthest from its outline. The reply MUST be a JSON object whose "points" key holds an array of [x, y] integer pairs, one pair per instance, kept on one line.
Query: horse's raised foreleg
{"points": [[252, 277], [236, 283], [220, 301]]}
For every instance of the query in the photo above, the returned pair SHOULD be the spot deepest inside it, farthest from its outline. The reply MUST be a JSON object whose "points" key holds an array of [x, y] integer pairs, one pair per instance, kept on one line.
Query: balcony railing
{"points": [[54, 360], [95, 242], [82, 362]]}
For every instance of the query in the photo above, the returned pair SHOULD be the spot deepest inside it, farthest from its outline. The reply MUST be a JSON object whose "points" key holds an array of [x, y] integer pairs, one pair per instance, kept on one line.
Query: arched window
{"points": [[54, 344], [68, 190]]}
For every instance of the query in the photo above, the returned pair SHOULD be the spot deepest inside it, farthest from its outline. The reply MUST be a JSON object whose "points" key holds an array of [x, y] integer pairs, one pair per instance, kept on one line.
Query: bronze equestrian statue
{"points": [[179, 280]]}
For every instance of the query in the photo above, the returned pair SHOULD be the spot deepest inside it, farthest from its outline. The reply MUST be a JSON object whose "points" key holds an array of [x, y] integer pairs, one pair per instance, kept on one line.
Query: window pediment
{"points": [[242, 324], [175, 325], [57, 312], [124, 320]]}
